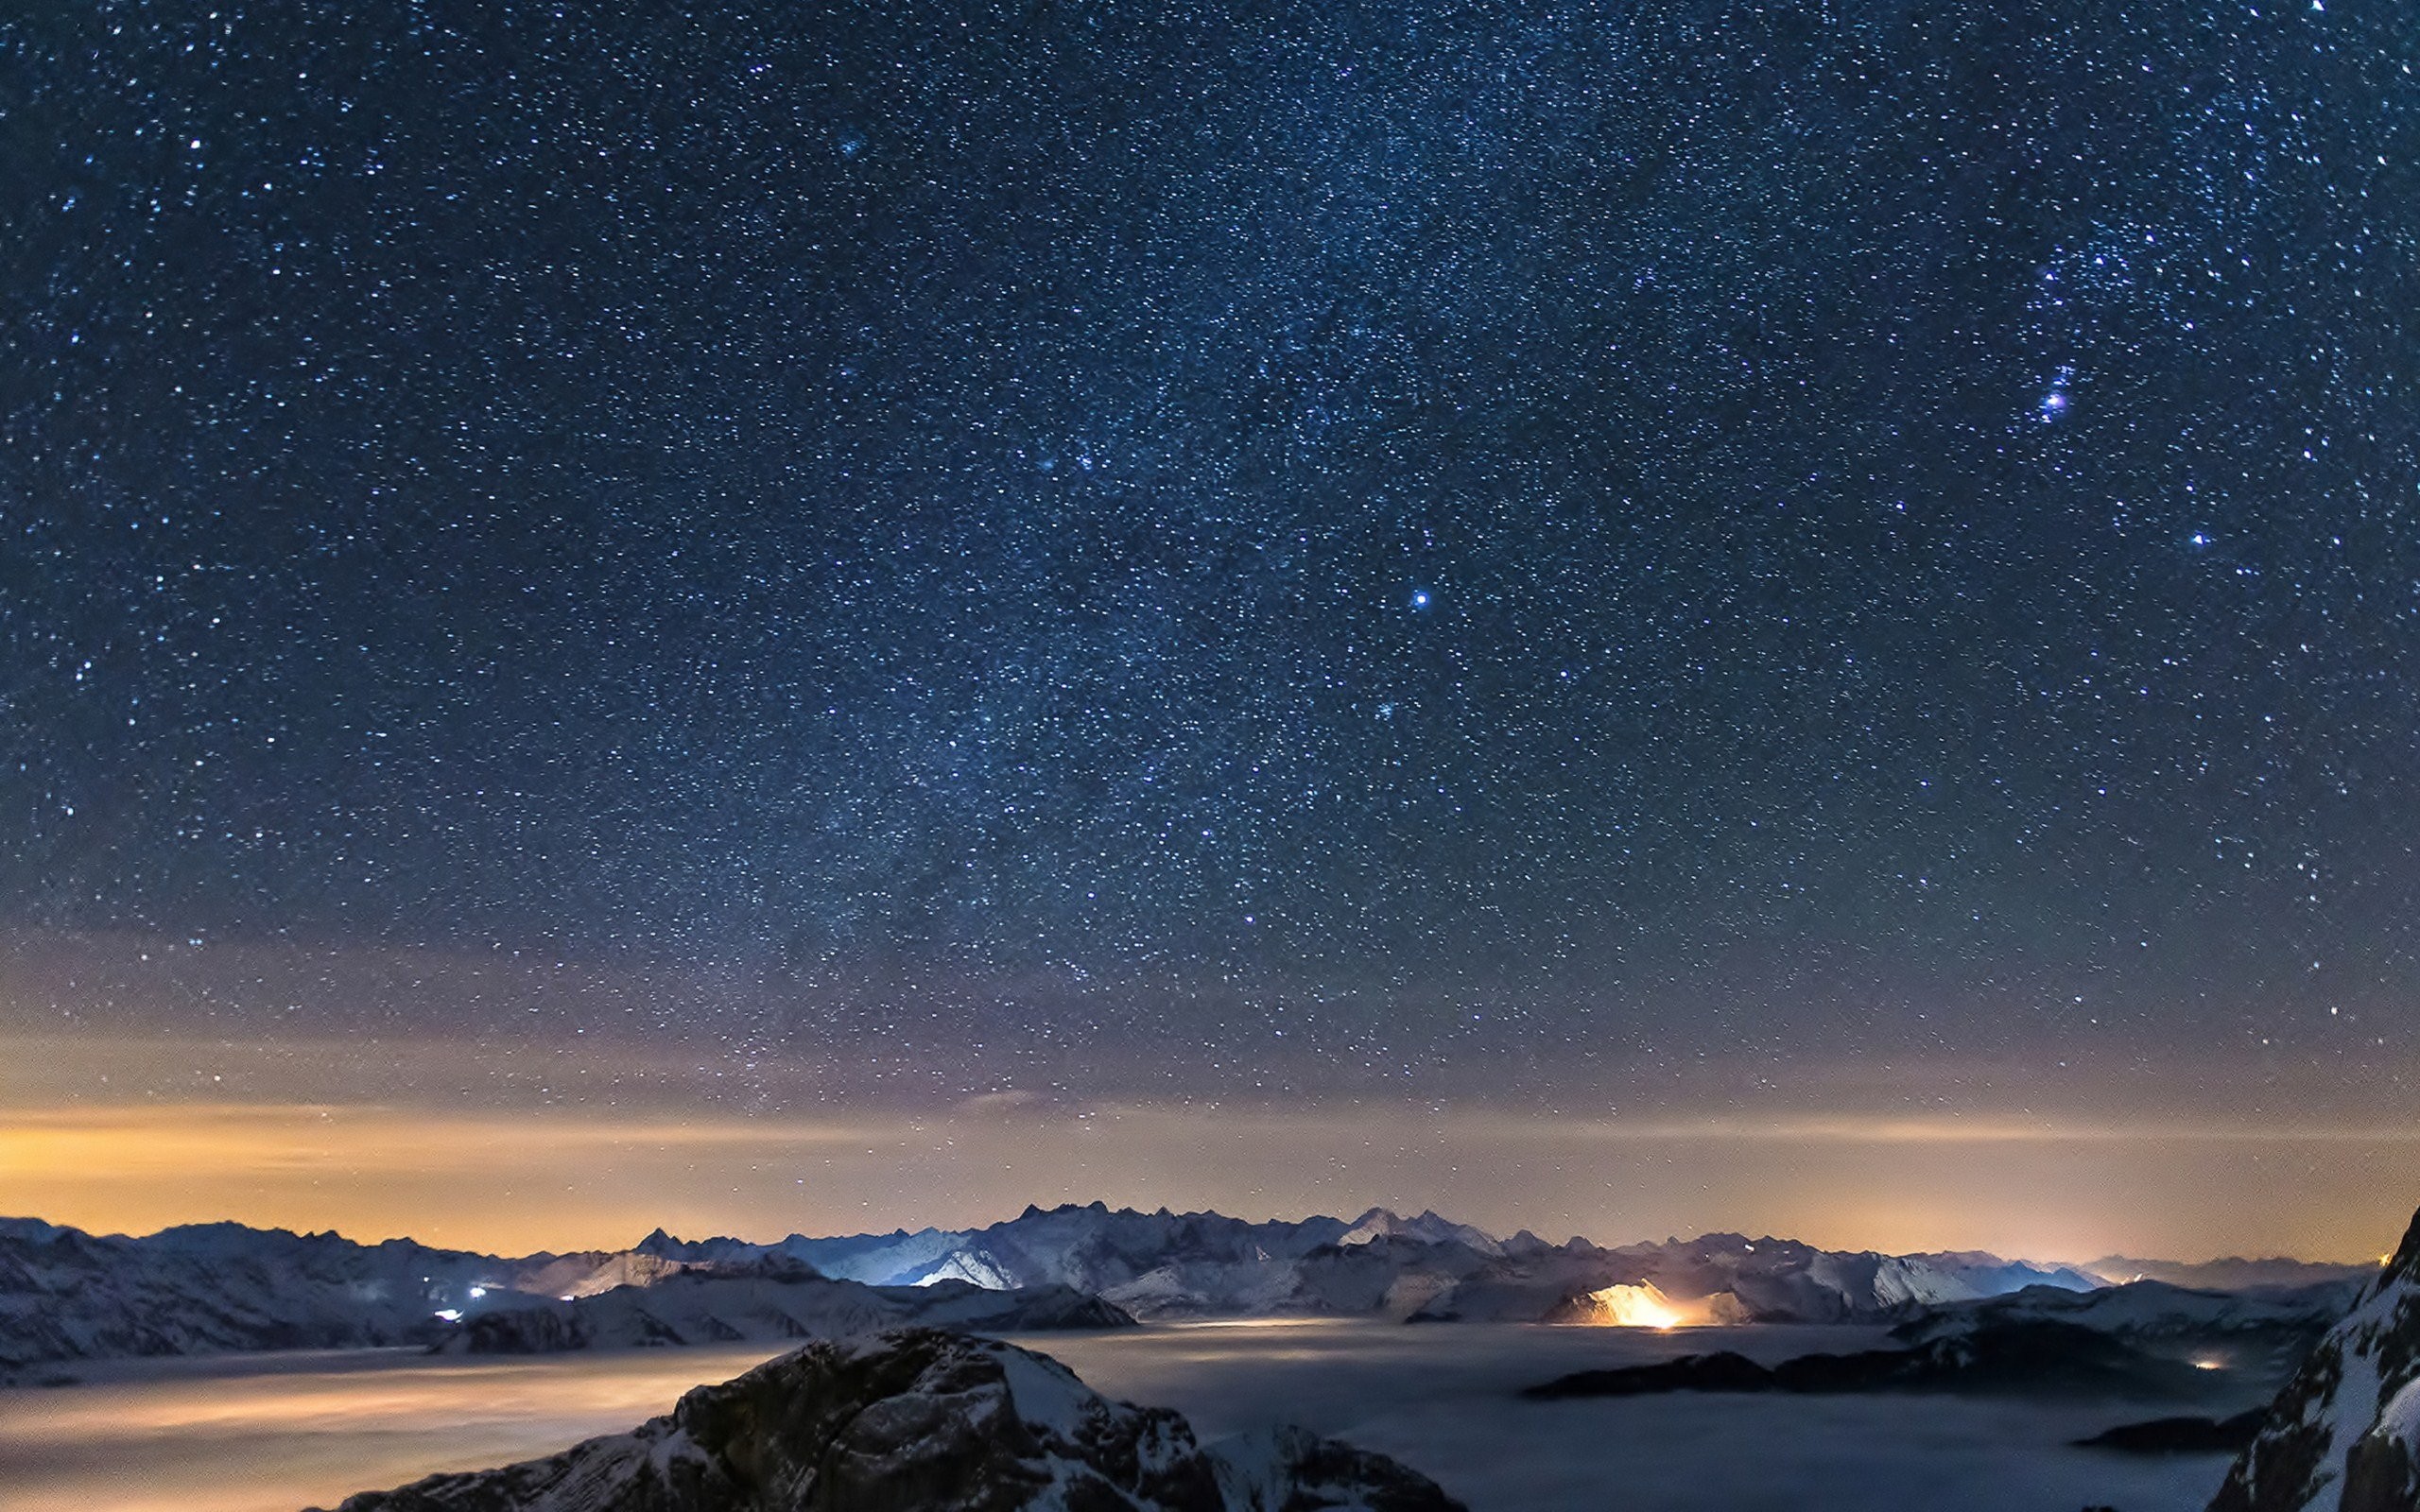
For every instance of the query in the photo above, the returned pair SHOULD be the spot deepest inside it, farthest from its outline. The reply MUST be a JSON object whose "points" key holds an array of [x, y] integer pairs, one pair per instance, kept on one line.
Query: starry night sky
{"points": [[1470, 549]]}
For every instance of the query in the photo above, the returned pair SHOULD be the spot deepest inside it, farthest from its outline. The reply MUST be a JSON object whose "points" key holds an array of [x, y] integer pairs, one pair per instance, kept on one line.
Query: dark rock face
{"points": [[1725, 1371], [2011, 1357], [2344, 1433], [918, 1420], [2179, 1435], [2379, 1475]]}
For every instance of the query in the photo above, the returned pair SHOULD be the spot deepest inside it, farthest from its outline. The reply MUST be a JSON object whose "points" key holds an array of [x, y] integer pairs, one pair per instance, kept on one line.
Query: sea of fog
{"points": [[276, 1433]]}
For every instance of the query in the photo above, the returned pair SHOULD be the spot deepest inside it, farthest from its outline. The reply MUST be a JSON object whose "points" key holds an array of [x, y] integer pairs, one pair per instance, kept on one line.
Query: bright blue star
{"points": [[1420, 598]]}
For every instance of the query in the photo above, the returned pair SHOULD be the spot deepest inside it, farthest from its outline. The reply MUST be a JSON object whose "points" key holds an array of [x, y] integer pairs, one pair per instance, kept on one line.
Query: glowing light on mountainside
{"points": [[1632, 1307]]}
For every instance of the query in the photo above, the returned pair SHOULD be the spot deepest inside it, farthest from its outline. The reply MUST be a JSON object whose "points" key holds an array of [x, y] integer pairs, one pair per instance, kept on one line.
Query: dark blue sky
{"points": [[1293, 545]]}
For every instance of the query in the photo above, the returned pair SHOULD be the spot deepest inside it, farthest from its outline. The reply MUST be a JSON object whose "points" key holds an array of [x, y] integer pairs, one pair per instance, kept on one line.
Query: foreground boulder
{"points": [[919, 1420], [2344, 1433]]}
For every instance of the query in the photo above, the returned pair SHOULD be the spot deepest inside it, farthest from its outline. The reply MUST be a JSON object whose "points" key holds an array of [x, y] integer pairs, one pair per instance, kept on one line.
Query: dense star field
{"points": [[1478, 550]]}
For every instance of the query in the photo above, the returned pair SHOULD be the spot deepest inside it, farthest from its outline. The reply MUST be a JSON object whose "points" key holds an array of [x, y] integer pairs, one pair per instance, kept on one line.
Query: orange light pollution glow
{"points": [[502, 1176]]}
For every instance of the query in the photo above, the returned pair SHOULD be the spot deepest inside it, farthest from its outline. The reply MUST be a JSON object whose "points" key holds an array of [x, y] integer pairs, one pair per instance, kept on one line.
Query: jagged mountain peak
{"points": [[2403, 1266], [1429, 1228], [2344, 1433]]}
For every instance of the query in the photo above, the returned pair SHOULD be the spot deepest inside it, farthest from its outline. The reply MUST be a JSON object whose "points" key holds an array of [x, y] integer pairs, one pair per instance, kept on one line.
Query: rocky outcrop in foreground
{"points": [[2344, 1433], [918, 1420]]}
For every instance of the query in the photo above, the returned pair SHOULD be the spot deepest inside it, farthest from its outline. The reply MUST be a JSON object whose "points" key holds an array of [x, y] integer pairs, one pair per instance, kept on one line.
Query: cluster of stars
{"points": [[1478, 551]]}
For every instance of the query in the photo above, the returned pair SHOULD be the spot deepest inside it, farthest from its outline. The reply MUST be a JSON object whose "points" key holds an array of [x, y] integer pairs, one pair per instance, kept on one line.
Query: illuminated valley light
{"points": [[477, 1292], [450, 1315], [2209, 1365], [1629, 1307]]}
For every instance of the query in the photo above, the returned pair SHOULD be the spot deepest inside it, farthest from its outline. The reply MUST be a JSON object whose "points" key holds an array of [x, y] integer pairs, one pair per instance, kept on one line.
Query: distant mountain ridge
{"points": [[2263, 1330], [224, 1288], [1166, 1266], [1721, 1277], [770, 1301], [66, 1295], [216, 1288], [2232, 1274]]}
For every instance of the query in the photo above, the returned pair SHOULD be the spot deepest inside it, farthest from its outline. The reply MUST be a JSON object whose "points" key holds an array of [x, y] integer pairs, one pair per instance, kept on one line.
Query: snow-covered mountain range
{"points": [[2261, 1334], [223, 1288], [920, 1418], [768, 1301], [1730, 1278], [66, 1294], [2344, 1433], [1163, 1265]]}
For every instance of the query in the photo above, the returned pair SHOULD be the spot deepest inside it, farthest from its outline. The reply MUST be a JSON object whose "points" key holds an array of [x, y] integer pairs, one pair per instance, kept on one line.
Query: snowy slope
{"points": [[2344, 1433], [917, 1419], [1428, 1228]]}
